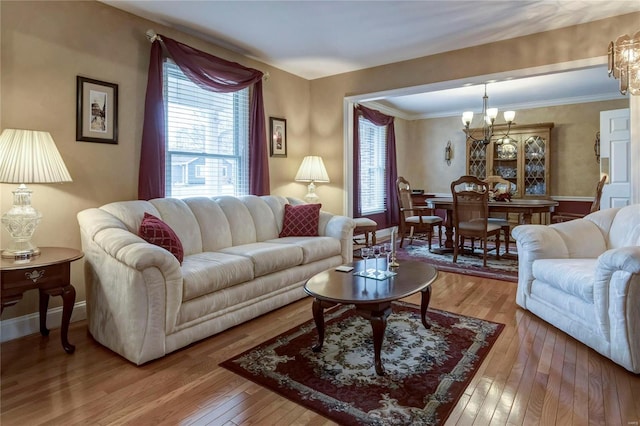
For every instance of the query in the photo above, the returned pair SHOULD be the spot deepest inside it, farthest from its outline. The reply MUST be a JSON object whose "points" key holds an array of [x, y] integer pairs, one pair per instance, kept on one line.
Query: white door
{"points": [[615, 136]]}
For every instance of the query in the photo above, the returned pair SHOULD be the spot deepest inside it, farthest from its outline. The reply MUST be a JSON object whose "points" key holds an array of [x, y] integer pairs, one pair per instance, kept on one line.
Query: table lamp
{"points": [[27, 156], [312, 170]]}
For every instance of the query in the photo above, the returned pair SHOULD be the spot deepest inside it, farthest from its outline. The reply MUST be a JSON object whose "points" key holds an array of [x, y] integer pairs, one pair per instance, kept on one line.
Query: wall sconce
{"points": [[596, 147], [448, 153], [624, 63]]}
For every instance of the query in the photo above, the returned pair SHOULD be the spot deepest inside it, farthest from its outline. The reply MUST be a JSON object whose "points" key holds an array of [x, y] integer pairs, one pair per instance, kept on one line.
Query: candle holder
{"points": [[393, 263]]}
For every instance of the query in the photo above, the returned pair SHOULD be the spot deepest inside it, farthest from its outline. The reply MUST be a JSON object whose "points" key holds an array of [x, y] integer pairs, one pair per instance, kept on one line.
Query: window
{"points": [[207, 139], [373, 167]]}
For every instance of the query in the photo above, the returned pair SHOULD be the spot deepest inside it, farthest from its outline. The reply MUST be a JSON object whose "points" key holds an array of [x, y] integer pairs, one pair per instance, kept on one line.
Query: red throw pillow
{"points": [[301, 220], [155, 231]]}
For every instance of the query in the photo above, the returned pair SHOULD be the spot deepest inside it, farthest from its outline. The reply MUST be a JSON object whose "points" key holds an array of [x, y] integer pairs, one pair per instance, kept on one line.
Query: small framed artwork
{"points": [[96, 111], [278, 129]]}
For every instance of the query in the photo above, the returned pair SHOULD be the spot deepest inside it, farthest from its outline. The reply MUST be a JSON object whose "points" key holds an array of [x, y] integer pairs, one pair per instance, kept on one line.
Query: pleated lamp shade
{"points": [[30, 156], [312, 170]]}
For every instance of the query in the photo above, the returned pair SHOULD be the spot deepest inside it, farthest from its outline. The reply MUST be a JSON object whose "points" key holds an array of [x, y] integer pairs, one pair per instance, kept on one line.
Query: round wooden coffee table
{"points": [[372, 298]]}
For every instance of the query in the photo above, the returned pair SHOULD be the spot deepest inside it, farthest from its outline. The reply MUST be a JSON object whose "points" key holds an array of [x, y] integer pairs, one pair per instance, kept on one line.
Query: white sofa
{"points": [[583, 276], [142, 303]]}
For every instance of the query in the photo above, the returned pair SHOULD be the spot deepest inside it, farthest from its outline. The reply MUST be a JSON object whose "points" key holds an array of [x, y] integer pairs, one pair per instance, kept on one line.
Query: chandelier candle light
{"points": [[312, 170], [27, 156], [489, 117], [624, 63]]}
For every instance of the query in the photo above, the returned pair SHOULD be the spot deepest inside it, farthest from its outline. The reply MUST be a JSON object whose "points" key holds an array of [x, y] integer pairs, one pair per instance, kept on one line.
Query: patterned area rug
{"points": [[505, 269], [426, 370]]}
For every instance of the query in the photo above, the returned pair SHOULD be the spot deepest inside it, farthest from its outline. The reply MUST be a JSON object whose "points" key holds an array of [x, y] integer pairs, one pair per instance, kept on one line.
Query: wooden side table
{"points": [[50, 273]]}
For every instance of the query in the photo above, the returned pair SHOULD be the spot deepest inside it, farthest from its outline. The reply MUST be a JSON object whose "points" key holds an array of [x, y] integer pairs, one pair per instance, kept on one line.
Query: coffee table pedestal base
{"points": [[376, 313]]}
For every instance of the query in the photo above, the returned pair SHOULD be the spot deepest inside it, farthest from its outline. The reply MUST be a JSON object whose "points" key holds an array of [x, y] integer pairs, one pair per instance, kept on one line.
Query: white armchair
{"points": [[583, 277]]}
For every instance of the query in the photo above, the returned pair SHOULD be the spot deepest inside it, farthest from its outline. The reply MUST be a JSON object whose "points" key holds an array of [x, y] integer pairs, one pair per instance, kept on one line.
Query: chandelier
{"points": [[489, 117], [624, 63]]}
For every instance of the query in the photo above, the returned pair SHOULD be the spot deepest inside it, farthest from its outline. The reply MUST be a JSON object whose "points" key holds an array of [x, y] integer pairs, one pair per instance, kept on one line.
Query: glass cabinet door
{"points": [[521, 157], [505, 160], [477, 159], [535, 170]]}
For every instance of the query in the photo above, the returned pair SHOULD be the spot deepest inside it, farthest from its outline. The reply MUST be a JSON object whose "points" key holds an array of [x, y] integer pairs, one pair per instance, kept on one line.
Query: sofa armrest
{"points": [[617, 298], [625, 259], [540, 242], [141, 281], [128, 248], [341, 228], [136, 253], [535, 242]]}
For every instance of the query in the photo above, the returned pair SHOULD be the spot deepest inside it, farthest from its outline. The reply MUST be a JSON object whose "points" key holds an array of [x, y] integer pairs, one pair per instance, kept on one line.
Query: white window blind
{"points": [[373, 167], [207, 139]]}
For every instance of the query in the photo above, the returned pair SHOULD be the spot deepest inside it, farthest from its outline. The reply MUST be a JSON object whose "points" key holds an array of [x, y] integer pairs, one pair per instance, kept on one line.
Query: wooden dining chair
{"points": [[497, 182], [559, 217], [471, 215], [415, 219]]}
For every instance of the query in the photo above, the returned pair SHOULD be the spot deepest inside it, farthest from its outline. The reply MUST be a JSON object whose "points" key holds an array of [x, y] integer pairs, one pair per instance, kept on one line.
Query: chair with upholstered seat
{"points": [[471, 214], [559, 217], [498, 183], [365, 226], [415, 219]]}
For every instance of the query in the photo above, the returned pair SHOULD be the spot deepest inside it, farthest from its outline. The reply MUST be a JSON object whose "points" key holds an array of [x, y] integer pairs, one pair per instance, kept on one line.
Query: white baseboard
{"points": [[25, 325]]}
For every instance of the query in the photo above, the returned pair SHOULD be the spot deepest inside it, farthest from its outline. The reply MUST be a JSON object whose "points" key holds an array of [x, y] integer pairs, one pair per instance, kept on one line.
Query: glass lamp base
{"points": [[11, 253], [21, 221], [312, 197]]}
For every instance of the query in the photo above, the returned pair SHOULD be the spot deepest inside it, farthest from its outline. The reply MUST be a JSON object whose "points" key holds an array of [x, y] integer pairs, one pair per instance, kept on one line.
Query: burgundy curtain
{"points": [[210, 73], [379, 119]]}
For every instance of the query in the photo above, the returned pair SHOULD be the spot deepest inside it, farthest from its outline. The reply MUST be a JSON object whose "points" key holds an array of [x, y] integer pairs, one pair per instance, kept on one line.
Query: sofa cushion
{"points": [[204, 273], [155, 231], [268, 257], [313, 248], [573, 276], [177, 214], [553, 301], [301, 221], [214, 226], [264, 219]]}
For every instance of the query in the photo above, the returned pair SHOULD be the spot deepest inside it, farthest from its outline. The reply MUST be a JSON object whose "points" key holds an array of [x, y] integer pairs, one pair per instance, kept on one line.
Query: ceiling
{"points": [[315, 39], [587, 84]]}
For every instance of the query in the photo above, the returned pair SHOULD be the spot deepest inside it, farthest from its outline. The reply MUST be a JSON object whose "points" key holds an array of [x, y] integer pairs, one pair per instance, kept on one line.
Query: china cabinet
{"points": [[522, 157]]}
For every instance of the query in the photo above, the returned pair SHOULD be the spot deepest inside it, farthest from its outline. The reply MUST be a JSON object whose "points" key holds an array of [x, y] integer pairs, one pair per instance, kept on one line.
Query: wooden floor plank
{"points": [[564, 415], [533, 374], [596, 399], [527, 331], [581, 387], [552, 390], [500, 369]]}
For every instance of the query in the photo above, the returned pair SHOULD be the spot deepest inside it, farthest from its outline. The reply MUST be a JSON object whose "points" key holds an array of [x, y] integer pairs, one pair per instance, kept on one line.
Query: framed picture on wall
{"points": [[96, 111], [278, 132]]}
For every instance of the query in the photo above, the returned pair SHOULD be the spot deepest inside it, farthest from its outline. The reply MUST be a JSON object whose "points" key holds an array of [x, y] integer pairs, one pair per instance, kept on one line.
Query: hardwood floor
{"points": [[534, 374]]}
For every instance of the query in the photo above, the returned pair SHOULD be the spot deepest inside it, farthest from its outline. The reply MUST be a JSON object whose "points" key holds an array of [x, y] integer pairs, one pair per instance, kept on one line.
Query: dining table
{"points": [[524, 207]]}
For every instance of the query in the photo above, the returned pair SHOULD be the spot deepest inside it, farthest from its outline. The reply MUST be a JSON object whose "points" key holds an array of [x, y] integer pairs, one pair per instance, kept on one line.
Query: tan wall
{"points": [[574, 170], [44, 46], [567, 44]]}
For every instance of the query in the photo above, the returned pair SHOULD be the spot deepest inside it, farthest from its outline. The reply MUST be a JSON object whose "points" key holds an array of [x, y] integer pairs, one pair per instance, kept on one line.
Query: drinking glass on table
{"points": [[365, 253], [388, 251], [376, 254]]}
